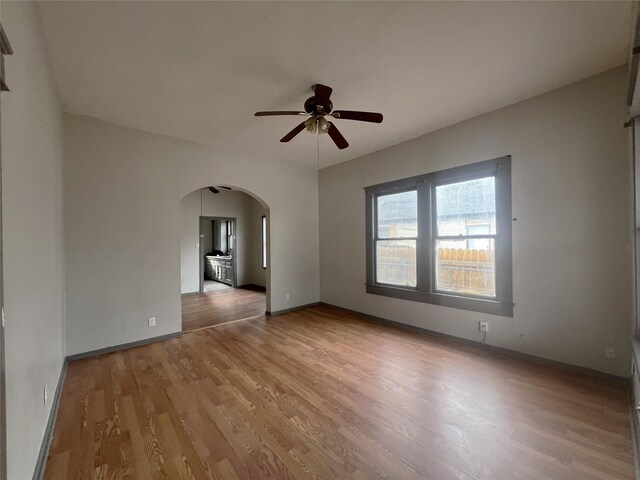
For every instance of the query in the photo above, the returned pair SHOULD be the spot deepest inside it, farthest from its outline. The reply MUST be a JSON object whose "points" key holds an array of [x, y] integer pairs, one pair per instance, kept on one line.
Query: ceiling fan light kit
{"points": [[317, 125], [317, 108]]}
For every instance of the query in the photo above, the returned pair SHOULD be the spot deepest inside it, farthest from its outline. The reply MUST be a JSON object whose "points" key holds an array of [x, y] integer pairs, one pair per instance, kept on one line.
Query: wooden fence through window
{"points": [[469, 271]]}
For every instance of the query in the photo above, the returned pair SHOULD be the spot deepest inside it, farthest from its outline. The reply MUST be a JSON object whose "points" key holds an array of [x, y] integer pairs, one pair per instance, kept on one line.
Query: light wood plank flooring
{"points": [[200, 310], [320, 394]]}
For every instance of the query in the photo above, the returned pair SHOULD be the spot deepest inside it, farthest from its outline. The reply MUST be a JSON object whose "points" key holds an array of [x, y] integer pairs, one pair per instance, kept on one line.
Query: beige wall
{"points": [[572, 257], [238, 205], [32, 237], [122, 217]]}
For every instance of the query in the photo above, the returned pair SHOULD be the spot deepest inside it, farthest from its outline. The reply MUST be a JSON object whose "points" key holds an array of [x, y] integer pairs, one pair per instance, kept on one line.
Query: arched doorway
{"points": [[224, 256]]}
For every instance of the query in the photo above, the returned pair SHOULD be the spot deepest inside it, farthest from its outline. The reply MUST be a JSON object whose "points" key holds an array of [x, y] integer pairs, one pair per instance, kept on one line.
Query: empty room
{"points": [[319, 240]]}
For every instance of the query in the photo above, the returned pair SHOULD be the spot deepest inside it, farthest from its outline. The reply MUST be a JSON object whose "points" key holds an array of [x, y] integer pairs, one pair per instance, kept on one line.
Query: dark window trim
{"points": [[424, 184]]}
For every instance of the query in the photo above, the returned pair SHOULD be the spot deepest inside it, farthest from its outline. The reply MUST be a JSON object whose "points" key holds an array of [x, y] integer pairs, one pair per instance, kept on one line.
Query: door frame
{"points": [[234, 280], [5, 49]]}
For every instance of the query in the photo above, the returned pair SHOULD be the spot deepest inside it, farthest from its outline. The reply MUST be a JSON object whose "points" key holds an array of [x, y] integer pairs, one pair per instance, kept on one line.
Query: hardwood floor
{"points": [[320, 394], [200, 310]]}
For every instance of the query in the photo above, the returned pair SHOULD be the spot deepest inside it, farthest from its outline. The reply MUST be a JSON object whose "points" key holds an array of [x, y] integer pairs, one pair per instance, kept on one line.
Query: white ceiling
{"points": [[198, 71]]}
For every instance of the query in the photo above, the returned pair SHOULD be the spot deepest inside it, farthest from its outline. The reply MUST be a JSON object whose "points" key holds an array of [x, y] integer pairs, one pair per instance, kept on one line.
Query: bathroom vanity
{"points": [[219, 269]]}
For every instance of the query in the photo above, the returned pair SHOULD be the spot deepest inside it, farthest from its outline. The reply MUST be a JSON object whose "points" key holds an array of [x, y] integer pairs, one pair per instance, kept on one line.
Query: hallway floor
{"points": [[201, 310], [213, 286]]}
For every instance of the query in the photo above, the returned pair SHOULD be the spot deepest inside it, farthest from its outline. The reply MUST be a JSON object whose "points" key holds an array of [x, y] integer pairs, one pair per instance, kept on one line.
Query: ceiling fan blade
{"points": [[269, 114], [361, 116], [322, 93], [214, 190], [337, 137], [293, 133]]}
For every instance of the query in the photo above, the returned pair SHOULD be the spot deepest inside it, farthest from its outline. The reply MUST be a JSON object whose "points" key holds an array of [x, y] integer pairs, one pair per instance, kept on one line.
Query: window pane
{"points": [[396, 262], [465, 268], [467, 208], [398, 215], [264, 241]]}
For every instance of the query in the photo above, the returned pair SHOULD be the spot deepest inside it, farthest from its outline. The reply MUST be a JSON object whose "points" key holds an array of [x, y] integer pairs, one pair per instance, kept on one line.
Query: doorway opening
{"points": [[223, 257], [218, 256]]}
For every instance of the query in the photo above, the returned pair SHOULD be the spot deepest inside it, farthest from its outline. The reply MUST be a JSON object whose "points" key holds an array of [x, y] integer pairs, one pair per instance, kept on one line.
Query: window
{"points": [[396, 236], [264, 241], [465, 231], [223, 242], [444, 238], [229, 230]]}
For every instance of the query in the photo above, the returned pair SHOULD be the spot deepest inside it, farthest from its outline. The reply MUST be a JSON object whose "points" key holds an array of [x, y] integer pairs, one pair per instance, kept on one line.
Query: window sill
{"points": [[490, 307]]}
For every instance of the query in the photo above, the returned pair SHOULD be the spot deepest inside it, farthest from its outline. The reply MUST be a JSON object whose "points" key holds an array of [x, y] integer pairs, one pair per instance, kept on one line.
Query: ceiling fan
{"points": [[215, 190], [316, 108]]}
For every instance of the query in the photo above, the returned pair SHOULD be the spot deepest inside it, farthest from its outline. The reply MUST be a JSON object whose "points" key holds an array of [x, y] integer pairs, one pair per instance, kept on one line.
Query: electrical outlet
{"points": [[286, 296], [197, 245], [483, 326], [44, 394], [152, 321], [609, 352]]}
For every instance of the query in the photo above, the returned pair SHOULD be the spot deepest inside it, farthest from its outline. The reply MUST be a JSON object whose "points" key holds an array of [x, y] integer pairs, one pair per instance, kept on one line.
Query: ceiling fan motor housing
{"points": [[311, 106]]}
